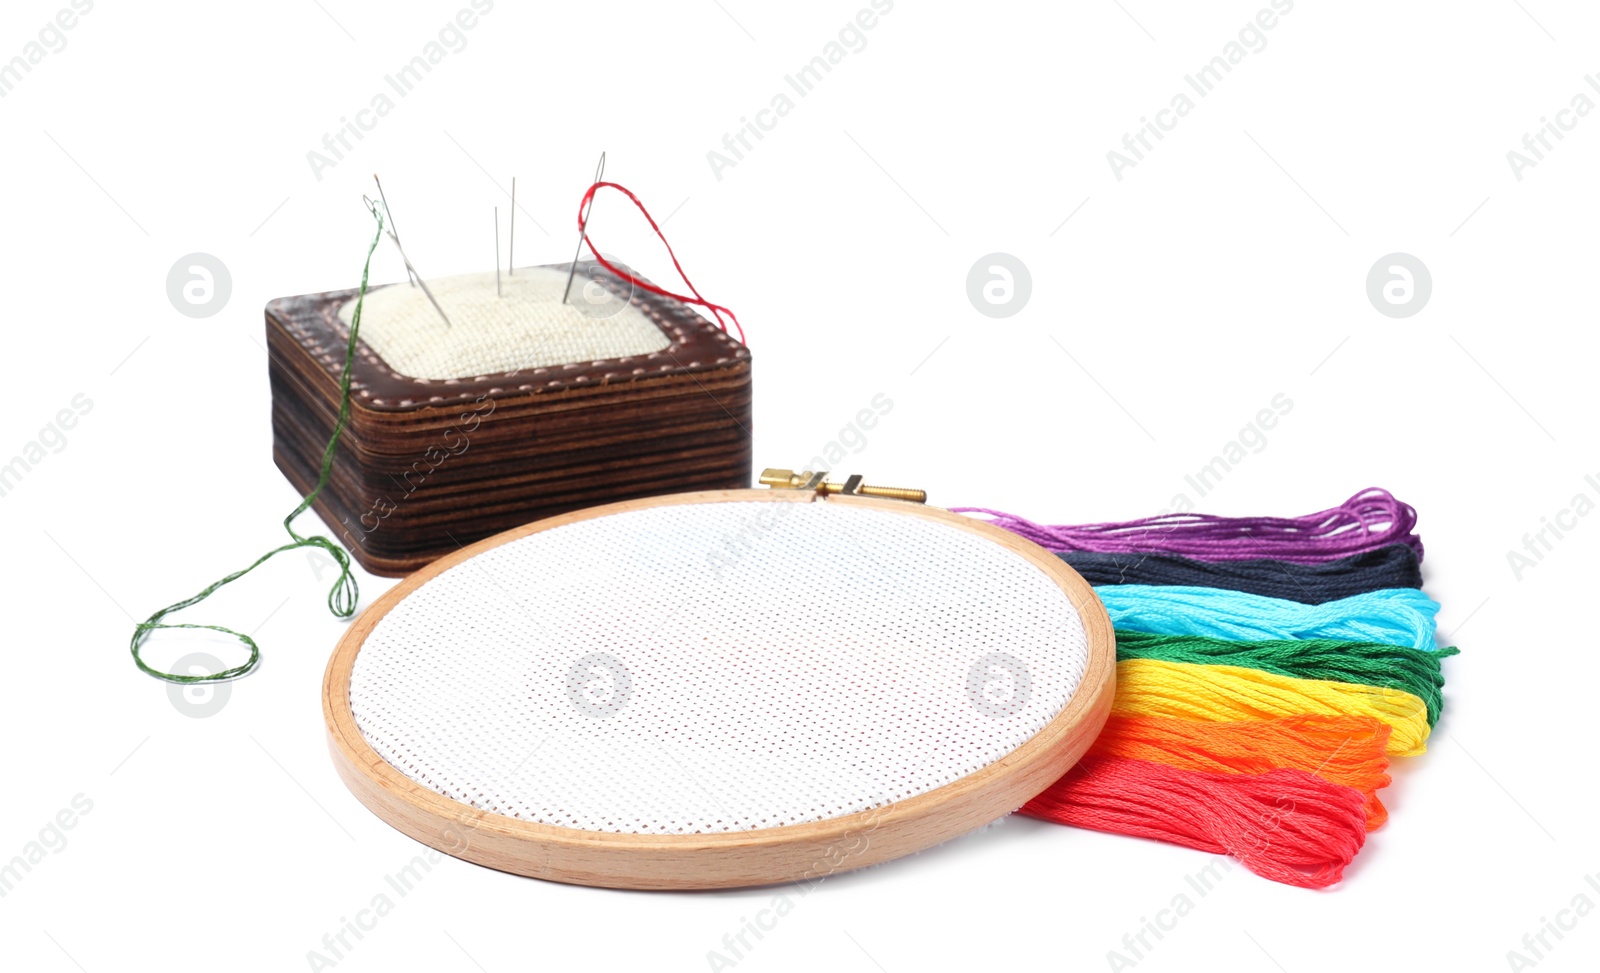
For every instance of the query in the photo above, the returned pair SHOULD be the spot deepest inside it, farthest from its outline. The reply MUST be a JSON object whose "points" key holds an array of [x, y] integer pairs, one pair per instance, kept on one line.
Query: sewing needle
{"points": [[583, 227]]}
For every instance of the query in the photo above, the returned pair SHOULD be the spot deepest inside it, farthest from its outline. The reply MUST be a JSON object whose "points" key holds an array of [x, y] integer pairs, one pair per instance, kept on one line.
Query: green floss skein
{"points": [[342, 598], [1400, 667]]}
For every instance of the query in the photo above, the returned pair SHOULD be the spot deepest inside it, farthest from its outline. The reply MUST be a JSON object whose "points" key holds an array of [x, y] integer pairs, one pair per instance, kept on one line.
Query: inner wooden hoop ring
{"points": [[763, 856]]}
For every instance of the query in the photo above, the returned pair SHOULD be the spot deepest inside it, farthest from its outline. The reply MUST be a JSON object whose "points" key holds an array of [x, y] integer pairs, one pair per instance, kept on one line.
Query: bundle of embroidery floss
{"points": [[1267, 670]]}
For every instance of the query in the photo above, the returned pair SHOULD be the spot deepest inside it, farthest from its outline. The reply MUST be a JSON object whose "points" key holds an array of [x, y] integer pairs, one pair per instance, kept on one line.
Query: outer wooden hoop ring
{"points": [[759, 857]]}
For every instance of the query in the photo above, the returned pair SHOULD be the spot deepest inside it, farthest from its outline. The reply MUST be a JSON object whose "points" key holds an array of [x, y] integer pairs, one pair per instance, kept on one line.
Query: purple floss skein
{"points": [[1367, 521]]}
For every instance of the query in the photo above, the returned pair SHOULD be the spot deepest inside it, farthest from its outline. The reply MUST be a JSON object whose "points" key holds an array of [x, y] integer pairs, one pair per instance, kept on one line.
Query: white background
{"points": [[1227, 267]]}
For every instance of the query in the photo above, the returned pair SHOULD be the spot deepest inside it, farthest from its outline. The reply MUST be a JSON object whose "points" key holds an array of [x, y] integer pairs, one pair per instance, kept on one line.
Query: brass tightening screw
{"points": [[790, 480], [894, 493]]}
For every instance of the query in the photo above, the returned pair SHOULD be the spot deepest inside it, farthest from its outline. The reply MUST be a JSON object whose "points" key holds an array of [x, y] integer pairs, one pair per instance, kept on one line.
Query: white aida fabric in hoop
{"points": [[527, 326], [717, 667]]}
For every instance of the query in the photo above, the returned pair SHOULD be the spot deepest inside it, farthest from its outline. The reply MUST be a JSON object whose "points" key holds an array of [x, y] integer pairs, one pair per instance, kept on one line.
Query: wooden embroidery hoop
{"points": [[726, 859]]}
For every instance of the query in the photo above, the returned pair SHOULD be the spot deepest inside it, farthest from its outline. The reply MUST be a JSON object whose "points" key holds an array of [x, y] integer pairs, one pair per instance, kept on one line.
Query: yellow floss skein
{"points": [[1151, 687]]}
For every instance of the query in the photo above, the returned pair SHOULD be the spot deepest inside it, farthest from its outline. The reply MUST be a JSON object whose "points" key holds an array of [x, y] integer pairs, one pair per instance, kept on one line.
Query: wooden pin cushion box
{"points": [[426, 466]]}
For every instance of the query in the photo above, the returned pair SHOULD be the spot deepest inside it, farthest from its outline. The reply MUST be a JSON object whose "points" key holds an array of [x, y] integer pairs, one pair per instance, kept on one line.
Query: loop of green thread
{"points": [[342, 598]]}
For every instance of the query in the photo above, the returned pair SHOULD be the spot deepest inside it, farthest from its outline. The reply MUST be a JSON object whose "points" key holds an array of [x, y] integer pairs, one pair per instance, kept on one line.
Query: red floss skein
{"points": [[1286, 825], [717, 310]]}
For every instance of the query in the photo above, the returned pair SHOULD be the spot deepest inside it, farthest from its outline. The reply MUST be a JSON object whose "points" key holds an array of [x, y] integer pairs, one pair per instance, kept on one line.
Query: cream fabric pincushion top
{"points": [[527, 326]]}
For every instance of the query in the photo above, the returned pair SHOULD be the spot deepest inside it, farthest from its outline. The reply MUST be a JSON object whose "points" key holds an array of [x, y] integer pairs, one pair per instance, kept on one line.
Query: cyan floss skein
{"points": [[1398, 616]]}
